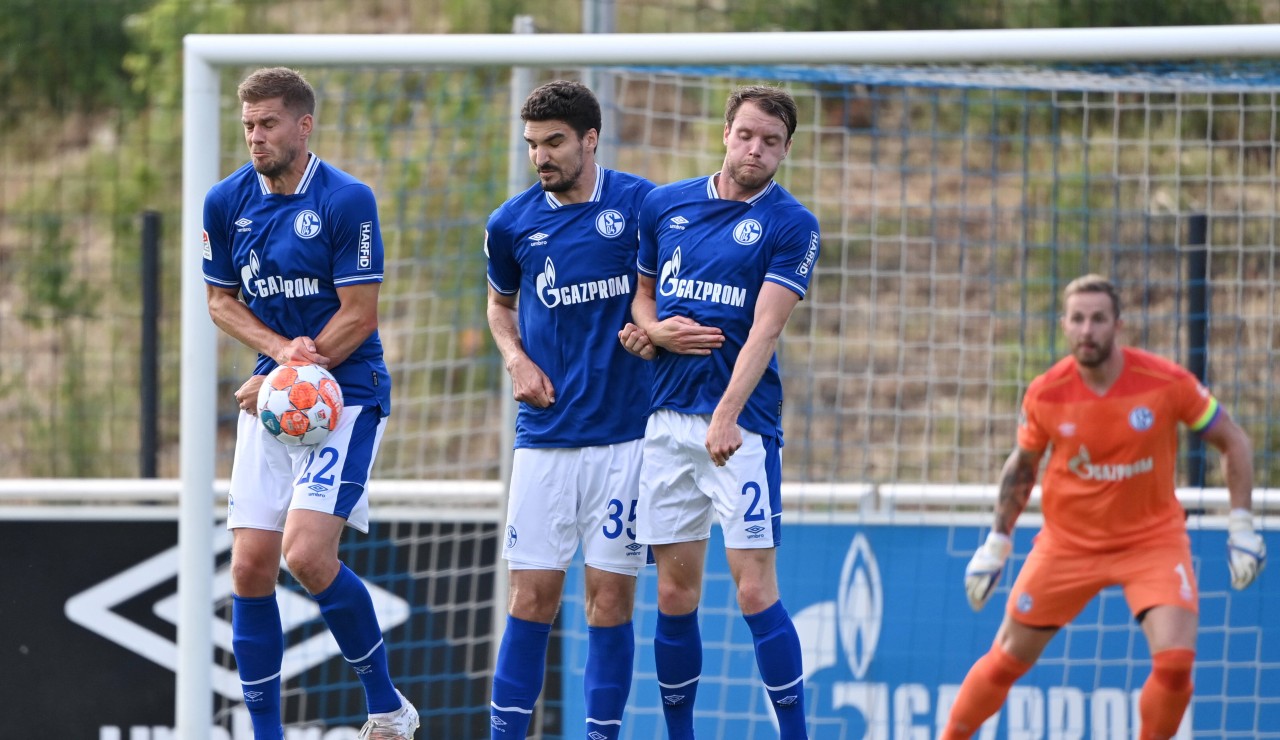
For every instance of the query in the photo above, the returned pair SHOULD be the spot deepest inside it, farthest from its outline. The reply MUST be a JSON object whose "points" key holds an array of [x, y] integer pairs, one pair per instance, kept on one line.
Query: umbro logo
{"points": [[755, 529], [787, 701], [243, 225], [251, 696], [317, 489], [678, 223], [498, 722], [672, 699], [538, 239], [152, 580], [634, 546], [596, 735]]}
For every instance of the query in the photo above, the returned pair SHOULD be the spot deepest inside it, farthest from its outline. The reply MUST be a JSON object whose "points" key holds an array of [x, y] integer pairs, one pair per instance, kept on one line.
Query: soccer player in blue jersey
{"points": [[723, 261], [293, 264], [561, 279]]}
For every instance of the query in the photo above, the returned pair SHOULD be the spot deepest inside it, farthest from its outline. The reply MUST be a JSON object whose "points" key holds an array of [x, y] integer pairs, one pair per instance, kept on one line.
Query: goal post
{"points": [[884, 446]]}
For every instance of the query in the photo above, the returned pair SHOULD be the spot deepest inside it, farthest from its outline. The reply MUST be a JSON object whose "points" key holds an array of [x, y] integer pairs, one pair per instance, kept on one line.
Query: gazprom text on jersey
{"points": [[583, 292], [702, 290], [291, 287]]}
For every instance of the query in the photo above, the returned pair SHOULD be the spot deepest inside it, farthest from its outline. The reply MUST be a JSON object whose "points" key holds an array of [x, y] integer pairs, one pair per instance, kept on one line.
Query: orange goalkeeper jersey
{"points": [[1109, 482]]}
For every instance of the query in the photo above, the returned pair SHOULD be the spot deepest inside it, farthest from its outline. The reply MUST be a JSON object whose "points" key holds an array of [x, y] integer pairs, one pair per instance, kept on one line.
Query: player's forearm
{"points": [[506, 334], [644, 307], [344, 333], [773, 308], [1237, 471], [1236, 451], [748, 369], [1017, 479], [232, 316]]}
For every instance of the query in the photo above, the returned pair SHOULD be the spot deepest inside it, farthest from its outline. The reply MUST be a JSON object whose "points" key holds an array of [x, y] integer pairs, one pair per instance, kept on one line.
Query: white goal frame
{"points": [[206, 54]]}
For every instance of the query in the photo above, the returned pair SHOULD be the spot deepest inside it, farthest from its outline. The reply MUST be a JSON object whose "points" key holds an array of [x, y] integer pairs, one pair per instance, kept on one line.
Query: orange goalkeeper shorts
{"points": [[1054, 586]]}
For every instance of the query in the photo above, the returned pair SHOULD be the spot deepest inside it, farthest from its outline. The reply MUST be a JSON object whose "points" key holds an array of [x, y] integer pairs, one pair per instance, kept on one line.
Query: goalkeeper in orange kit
{"points": [[1109, 416]]}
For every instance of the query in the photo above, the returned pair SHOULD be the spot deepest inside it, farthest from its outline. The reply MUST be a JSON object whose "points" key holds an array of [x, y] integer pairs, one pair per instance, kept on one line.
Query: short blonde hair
{"points": [[1093, 283]]}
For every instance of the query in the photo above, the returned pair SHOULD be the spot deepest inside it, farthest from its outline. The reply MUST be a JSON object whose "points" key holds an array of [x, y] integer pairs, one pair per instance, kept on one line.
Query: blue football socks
{"points": [[517, 678], [348, 610], [607, 683], [778, 657], [258, 643], [677, 652]]}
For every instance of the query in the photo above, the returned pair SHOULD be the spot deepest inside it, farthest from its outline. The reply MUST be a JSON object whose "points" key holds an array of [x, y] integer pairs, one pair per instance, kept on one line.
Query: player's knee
{"points": [[677, 598], [254, 577], [754, 596], [534, 602], [1172, 668], [608, 611], [313, 569], [610, 603], [1000, 667]]}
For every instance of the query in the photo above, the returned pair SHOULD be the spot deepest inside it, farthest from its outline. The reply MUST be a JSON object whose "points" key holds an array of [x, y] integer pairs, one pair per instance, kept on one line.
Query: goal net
{"points": [[955, 201]]}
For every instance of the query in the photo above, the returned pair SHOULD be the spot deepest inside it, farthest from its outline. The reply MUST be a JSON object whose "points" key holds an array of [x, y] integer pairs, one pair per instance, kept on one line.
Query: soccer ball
{"points": [[300, 404]]}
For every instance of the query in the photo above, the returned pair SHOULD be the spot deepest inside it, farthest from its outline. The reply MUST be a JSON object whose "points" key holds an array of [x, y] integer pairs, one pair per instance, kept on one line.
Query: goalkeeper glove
{"points": [[1246, 552], [983, 571]]}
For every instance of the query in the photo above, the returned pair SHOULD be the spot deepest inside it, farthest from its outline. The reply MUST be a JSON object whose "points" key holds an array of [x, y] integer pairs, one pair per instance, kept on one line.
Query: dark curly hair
{"points": [[564, 100]]}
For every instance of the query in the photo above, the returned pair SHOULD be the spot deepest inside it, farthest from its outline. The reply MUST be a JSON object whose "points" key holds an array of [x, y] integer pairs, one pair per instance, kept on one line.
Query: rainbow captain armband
{"points": [[1206, 419]]}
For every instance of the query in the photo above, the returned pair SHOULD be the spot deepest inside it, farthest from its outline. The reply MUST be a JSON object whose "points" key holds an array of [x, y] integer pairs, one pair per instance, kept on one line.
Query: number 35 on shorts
{"points": [[614, 526]]}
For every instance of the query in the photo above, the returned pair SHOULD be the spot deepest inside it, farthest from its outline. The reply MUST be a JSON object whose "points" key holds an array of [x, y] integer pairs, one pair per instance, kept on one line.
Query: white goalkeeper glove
{"points": [[983, 571], [1246, 552]]}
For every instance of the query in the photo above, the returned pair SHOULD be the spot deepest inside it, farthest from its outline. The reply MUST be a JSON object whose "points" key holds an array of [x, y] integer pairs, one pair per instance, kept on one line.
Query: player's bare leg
{"points": [[310, 545], [255, 561], [1171, 636], [774, 634], [311, 551], [1016, 648], [257, 638], [533, 598], [677, 641], [611, 646]]}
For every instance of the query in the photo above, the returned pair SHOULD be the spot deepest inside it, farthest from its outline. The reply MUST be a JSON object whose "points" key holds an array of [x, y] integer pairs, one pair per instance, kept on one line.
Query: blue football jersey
{"points": [[574, 268], [288, 255], [709, 257]]}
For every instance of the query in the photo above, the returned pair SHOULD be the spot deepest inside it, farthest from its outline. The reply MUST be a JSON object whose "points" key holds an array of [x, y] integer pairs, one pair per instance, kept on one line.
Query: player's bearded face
{"points": [[1090, 325], [755, 145], [560, 172], [275, 137], [275, 162]]}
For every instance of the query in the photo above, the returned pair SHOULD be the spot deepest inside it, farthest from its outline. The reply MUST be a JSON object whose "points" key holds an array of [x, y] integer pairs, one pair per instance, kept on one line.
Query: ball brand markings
{"points": [[300, 404]]}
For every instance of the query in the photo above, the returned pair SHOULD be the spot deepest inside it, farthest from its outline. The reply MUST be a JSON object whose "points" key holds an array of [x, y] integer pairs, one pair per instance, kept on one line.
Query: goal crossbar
{"points": [[206, 54]]}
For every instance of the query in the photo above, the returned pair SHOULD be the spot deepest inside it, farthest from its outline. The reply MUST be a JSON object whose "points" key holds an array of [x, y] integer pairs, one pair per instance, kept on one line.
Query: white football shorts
{"points": [[561, 497], [268, 477], [681, 489]]}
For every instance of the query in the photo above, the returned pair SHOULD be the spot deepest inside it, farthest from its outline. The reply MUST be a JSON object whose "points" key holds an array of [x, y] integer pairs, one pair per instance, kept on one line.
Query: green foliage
{"points": [[868, 15], [63, 55], [888, 15], [1125, 13], [154, 59], [55, 293]]}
